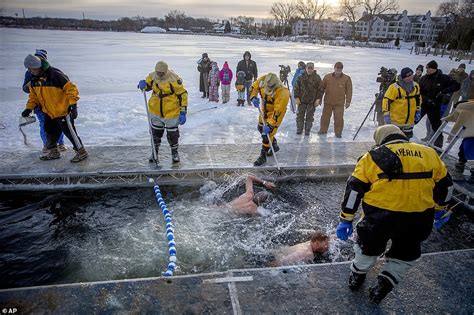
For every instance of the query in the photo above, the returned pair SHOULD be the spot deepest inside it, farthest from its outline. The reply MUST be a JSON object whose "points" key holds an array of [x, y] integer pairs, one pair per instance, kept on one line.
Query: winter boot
{"points": [[53, 154], [380, 291], [81, 154], [62, 147], [153, 160], [356, 280], [275, 147], [262, 159], [175, 156], [45, 150], [203, 95]]}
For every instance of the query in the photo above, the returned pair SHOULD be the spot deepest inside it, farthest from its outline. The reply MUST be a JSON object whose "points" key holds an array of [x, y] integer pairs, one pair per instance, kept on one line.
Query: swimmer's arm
{"points": [[251, 179]]}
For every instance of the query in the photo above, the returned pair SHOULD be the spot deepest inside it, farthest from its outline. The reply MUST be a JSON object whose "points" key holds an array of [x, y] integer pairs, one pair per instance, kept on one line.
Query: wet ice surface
{"points": [[119, 234]]}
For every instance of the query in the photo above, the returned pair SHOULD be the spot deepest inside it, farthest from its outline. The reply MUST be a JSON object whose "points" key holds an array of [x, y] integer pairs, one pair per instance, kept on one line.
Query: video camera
{"points": [[284, 71], [386, 75]]}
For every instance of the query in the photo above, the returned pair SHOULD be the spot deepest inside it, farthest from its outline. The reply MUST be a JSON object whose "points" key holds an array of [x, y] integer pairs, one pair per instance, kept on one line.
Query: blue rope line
{"points": [[169, 230]]}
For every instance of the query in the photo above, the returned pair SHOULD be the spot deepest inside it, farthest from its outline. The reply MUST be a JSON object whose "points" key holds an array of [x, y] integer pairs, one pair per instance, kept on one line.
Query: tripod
{"points": [[285, 83]]}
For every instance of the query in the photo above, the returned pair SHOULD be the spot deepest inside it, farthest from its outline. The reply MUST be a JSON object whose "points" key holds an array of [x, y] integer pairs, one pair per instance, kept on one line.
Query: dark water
{"points": [[49, 238]]}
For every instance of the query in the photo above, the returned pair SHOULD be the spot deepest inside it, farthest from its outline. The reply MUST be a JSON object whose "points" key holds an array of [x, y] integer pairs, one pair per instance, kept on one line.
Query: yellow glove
{"points": [[317, 102], [298, 102]]}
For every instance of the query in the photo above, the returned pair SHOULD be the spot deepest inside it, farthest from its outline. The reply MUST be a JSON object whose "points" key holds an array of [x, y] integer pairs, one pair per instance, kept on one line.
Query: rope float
{"points": [[169, 230]]}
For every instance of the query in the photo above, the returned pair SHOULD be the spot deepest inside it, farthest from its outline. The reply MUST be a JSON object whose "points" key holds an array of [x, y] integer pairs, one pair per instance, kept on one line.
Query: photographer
{"points": [[386, 77]]}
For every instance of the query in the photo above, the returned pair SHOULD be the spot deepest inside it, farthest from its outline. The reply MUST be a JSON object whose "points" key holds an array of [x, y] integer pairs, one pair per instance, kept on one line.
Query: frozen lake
{"points": [[106, 67]]}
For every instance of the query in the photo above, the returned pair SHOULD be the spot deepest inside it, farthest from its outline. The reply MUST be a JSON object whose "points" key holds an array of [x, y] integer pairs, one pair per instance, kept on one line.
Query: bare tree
{"points": [[175, 18], [284, 13], [311, 10], [350, 9], [375, 8], [461, 20]]}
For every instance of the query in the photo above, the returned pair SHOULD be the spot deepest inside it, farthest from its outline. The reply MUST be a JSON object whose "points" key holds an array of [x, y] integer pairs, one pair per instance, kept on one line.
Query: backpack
{"points": [[226, 76]]}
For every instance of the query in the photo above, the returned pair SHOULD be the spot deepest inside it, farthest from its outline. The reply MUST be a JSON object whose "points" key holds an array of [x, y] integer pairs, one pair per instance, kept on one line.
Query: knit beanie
{"points": [[384, 131], [43, 54], [462, 65], [32, 62], [420, 67], [406, 72], [161, 66], [432, 65]]}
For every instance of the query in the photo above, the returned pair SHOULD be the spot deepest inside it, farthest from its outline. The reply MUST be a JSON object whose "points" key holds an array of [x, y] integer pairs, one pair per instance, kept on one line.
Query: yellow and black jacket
{"points": [[169, 95], [401, 106], [274, 106], [401, 177], [53, 92]]}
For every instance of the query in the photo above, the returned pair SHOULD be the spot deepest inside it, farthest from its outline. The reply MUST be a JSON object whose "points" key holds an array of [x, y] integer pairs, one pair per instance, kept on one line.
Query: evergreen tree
{"points": [[227, 28]]}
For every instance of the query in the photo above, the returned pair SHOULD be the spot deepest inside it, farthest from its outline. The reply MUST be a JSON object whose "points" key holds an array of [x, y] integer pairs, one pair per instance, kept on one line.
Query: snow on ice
{"points": [[107, 66]]}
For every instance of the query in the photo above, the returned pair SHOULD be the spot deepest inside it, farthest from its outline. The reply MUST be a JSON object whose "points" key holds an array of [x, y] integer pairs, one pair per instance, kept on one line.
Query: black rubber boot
{"points": [[275, 147], [175, 156], [380, 291], [459, 166], [262, 159], [356, 280]]}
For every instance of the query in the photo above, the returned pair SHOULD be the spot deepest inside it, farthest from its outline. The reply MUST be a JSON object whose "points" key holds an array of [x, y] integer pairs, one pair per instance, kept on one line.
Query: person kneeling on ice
{"points": [[167, 106], [403, 186], [275, 98], [302, 252], [57, 96], [249, 201]]}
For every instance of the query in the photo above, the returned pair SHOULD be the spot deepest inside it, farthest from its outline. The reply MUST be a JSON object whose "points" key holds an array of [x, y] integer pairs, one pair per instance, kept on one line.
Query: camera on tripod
{"points": [[386, 76], [284, 71]]}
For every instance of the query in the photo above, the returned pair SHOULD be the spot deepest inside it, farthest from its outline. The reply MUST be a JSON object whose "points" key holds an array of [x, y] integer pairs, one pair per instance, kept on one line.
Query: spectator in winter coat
{"points": [[460, 76], [204, 66], [337, 88], [214, 83], [51, 89], [240, 87], [249, 67], [402, 103], [467, 89], [433, 85], [167, 107], [308, 93], [225, 75], [463, 115], [43, 55], [418, 73], [275, 98], [299, 71]]}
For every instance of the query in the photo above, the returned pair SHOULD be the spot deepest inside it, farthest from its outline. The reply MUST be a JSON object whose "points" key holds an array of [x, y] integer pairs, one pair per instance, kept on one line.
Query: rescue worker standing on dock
{"points": [[167, 106], [401, 105], [275, 98], [403, 186]]}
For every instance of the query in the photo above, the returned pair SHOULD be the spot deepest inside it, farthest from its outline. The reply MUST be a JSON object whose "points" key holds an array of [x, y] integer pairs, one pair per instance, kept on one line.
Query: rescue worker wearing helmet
{"points": [[167, 106], [403, 186], [275, 98]]}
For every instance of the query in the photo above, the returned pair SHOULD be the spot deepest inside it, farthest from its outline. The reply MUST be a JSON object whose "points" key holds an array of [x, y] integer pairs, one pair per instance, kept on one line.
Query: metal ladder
{"points": [[440, 131]]}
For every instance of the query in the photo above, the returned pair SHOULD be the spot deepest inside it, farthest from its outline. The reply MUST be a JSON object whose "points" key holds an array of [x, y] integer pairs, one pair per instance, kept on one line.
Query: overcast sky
{"points": [[113, 9]]}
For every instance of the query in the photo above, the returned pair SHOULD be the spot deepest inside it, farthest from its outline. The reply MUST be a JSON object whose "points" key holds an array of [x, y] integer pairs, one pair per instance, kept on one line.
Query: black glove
{"points": [[72, 111], [26, 112]]}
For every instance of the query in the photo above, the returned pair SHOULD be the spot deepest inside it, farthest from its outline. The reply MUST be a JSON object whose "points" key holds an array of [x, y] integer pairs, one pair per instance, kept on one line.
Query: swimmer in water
{"points": [[248, 202], [303, 252]]}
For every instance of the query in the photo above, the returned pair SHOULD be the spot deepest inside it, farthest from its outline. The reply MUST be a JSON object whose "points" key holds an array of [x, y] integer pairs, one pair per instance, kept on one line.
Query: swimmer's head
{"points": [[260, 197], [319, 243]]}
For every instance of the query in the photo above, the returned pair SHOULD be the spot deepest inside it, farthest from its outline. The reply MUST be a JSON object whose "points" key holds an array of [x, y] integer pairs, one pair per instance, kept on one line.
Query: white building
{"points": [[153, 29], [406, 27], [383, 27]]}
